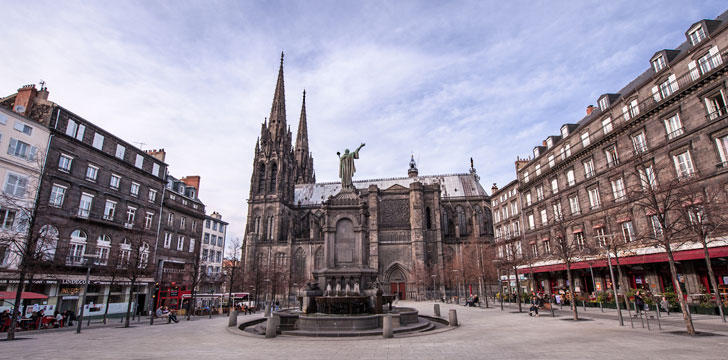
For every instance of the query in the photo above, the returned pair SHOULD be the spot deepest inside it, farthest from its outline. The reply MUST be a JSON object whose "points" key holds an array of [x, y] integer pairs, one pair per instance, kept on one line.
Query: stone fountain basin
{"points": [[332, 322]]}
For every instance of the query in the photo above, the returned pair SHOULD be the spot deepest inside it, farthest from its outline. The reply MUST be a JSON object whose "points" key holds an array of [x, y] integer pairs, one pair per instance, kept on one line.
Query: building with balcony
{"points": [[177, 254], [98, 205], [26, 141], [580, 183]]}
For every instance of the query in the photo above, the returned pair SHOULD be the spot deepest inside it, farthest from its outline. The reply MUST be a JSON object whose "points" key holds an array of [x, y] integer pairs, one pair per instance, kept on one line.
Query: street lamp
{"points": [[457, 282], [434, 290], [608, 244], [88, 259]]}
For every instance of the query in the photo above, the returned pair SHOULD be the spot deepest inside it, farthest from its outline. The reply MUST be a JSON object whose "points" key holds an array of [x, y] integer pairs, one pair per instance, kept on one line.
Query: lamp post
{"points": [[88, 259], [434, 284], [457, 283], [611, 273]]}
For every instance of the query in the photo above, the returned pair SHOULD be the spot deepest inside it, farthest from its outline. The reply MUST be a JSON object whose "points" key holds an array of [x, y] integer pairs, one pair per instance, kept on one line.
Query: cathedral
{"points": [[418, 235]]}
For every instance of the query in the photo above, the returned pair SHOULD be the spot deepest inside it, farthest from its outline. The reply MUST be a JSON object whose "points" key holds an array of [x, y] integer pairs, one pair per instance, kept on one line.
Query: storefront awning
{"points": [[693, 254], [10, 295]]}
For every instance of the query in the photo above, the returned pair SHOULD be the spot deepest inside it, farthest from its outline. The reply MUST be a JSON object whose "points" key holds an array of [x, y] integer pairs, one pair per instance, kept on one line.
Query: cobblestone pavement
{"points": [[485, 333]]}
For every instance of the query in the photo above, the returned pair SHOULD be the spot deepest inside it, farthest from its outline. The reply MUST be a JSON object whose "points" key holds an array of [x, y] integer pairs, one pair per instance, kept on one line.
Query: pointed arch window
{"points": [[261, 178], [269, 228], [300, 267], [428, 218], [462, 220], [273, 174], [319, 258], [445, 223], [479, 219]]}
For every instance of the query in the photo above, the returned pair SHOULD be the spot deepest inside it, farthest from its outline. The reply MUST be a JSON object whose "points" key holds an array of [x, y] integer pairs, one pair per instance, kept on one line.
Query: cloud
{"points": [[446, 80]]}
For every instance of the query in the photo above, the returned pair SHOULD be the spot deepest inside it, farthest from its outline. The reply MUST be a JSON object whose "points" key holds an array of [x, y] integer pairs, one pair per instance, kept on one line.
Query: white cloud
{"points": [[446, 81]]}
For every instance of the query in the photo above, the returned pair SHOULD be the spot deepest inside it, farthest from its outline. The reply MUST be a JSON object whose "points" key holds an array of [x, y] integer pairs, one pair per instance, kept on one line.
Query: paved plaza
{"points": [[484, 333]]}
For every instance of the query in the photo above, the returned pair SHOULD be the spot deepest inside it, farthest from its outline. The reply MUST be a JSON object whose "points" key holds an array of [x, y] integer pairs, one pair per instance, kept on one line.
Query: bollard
{"points": [[453, 318], [267, 311], [270, 328], [387, 326], [601, 307], [233, 320], [437, 309]]}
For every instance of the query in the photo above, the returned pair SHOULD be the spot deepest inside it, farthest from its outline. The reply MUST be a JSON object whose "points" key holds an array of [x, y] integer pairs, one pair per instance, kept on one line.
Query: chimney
{"points": [[193, 181], [157, 154], [24, 99], [590, 109], [494, 188], [521, 162]]}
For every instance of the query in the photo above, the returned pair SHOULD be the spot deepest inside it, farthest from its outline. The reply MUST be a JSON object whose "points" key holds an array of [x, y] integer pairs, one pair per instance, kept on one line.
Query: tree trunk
{"points": [[190, 305], [711, 276], [623, 285], [106, 308], [16, 307], [683, 305], [571, 290], [128, 304], [485, 288]]}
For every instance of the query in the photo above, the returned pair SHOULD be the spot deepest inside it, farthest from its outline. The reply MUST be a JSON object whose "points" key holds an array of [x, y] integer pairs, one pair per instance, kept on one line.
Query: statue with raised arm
{"points": [[347, 168]]}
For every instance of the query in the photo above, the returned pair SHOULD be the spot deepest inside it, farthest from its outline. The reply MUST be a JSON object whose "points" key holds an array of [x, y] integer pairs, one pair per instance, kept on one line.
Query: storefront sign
{"points": [[70, 291], [70, 297]]}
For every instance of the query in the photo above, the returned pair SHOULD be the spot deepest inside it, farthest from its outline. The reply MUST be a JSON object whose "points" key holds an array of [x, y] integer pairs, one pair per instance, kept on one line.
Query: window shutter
{"points": [[20, 188], [655, 93], [693, 68], [714, 54], [13, 145], [673, 82], [79, 134], [33, 153]]}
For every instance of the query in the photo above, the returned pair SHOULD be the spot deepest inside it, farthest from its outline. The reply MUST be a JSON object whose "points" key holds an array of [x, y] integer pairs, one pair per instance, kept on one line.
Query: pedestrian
{"points": [[170, 315], [278, 305], [534, 305], [665, 305], [639, 303]]}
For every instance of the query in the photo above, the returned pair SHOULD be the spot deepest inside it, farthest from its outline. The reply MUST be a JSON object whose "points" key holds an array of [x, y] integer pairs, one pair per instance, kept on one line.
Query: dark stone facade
{"points": [[413, 224]]}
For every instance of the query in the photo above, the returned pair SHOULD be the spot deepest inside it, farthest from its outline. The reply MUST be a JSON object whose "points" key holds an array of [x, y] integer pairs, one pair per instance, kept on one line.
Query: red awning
{"points": [[637, 259], [25, 295]]}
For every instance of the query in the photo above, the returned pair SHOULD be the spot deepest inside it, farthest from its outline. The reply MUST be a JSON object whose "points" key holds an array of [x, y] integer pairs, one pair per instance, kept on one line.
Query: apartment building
{"points": [[670, 119]]}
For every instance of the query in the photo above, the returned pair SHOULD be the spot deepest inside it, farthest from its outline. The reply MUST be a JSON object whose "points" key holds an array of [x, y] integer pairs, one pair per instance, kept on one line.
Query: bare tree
{"points": [[27, 248], [115, 269], [230, 272], [657, 194], [704, 214], [134, 261], [569, 246], [198, 276]]}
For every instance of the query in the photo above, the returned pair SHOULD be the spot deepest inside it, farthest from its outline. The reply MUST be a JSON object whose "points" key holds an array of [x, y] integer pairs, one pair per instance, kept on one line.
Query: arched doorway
{"points": [[398, 282]]}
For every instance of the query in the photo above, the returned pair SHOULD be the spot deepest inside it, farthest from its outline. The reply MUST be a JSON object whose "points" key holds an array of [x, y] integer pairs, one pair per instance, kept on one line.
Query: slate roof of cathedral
{"points": [[451, 186]]}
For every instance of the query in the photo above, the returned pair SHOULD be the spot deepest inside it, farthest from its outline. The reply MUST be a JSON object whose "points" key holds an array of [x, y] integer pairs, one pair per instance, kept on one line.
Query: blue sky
{"points": [[445, 80]]}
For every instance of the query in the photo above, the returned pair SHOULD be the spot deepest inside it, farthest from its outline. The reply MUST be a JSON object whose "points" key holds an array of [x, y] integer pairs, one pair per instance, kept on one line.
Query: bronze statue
{"points": [[347, 168]]}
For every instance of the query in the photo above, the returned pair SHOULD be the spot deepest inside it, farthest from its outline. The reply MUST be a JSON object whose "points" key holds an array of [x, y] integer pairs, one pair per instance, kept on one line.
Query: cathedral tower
{"points": [[274, 170], [304, 159]]}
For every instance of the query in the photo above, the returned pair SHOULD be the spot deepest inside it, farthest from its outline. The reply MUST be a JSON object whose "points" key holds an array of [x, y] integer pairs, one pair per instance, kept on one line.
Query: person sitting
{"points": [[476, 301], [170, 315]]}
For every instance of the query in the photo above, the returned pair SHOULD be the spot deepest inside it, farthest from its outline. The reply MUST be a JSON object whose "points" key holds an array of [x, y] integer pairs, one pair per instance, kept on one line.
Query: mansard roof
{"points": [[451, 186]]}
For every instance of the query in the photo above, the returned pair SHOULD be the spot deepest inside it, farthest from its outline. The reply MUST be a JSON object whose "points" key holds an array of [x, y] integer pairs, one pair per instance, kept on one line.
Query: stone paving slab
{"points": [[484, 333]]}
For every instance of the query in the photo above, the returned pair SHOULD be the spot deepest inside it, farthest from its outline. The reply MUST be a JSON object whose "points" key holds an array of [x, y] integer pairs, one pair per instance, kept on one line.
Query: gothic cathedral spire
{"points": [[304, 160], [277, 125]]}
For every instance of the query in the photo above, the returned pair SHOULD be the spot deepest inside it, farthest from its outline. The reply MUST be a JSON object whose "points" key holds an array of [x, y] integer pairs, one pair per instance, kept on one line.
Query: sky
{"points": [[441, 80]]}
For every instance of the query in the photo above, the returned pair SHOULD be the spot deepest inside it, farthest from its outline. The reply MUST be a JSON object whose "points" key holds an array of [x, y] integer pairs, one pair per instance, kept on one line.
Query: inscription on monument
{"points": [[345, 240]]}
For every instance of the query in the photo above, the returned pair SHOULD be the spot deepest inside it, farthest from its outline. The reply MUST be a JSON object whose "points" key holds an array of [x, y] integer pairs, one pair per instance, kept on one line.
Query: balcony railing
{"points": [[716, 114], [675, 133], [649, 102], [640, 149]]}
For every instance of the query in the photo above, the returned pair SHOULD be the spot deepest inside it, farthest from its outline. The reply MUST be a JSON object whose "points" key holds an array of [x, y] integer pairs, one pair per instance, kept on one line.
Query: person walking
{"points": [[665, 305]]}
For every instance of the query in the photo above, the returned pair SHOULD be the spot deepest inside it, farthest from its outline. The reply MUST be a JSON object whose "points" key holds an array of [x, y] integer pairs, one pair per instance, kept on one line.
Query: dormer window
{"points": [[696, 35], [564, 131], [658, 63], [549, 143], [603, 103], [536, 153]]}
